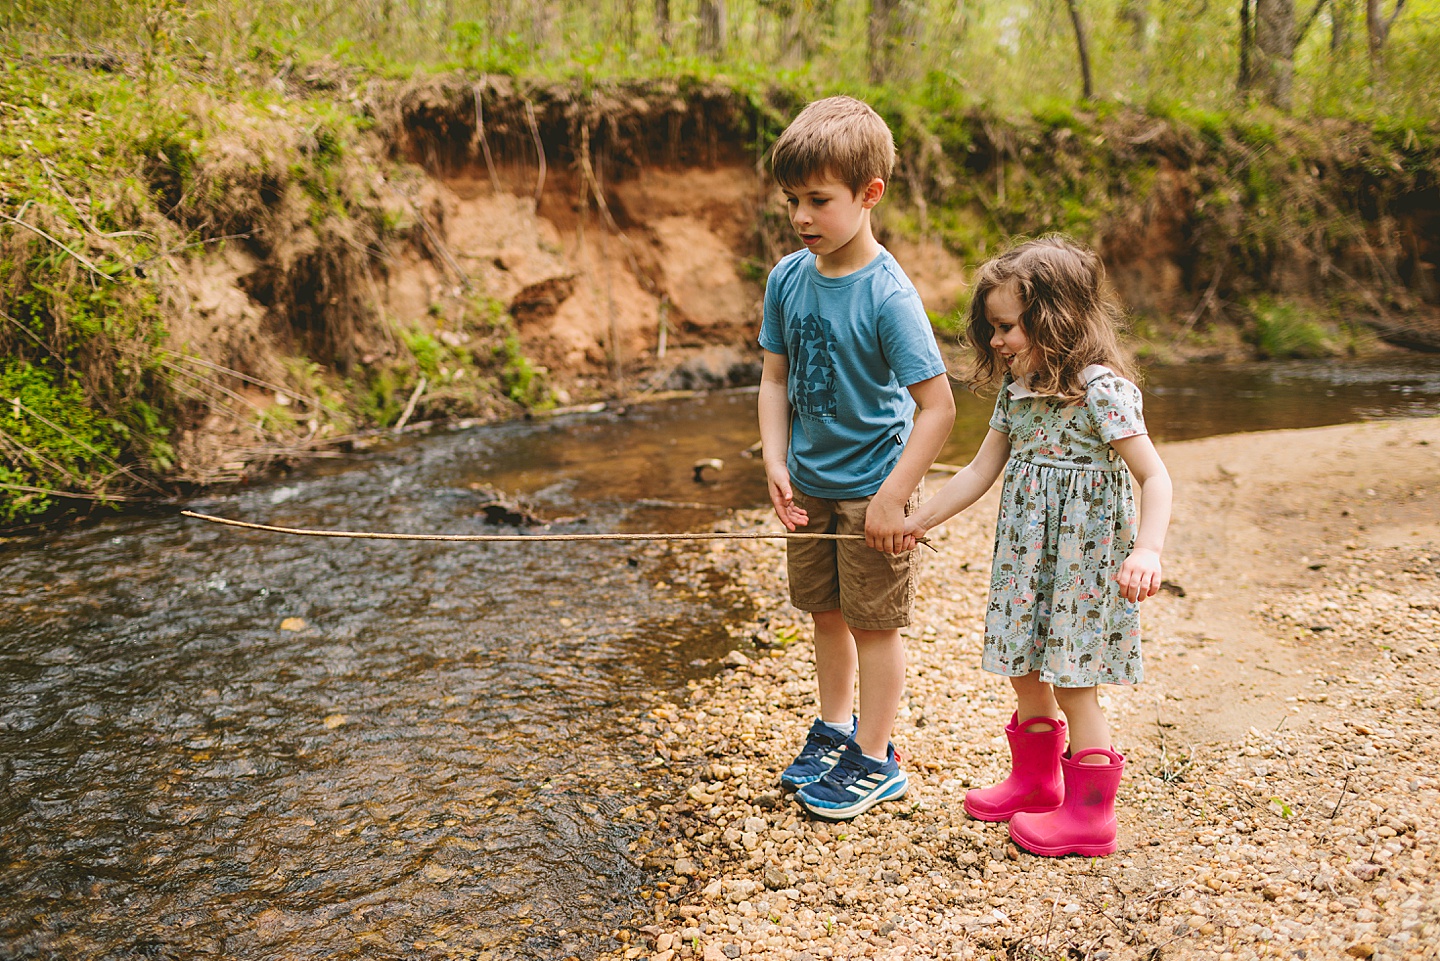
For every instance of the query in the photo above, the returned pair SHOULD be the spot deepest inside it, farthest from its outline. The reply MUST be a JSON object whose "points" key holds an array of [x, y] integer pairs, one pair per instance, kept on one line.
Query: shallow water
{"points": [[436, 762]]}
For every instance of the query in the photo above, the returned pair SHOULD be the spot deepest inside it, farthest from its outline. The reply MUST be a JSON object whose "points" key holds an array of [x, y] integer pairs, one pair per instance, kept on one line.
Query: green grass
{"points": [[1284, 331]]}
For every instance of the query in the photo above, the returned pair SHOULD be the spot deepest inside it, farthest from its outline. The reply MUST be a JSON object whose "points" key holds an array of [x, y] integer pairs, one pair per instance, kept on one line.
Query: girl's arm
{"points": [[965, 488], [774, 406], [1139, 575]]}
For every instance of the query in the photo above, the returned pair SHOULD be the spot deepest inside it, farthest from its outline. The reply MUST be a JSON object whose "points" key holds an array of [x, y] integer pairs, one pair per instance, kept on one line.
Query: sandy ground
{"points": [[1280, 798]]}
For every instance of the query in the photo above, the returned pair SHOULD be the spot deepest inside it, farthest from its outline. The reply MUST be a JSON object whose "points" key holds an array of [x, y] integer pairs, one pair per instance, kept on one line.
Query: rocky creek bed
{"points": [[1280, 797]]}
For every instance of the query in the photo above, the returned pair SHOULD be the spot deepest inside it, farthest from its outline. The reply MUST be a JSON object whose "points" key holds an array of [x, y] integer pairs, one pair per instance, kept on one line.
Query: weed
{"points": [[522, 381], [1283, 330], [49, 436]]}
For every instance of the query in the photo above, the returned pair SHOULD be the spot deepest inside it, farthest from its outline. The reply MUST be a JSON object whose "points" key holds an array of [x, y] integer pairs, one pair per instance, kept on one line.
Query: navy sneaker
{"points": [[854, 785], [821, 751]]}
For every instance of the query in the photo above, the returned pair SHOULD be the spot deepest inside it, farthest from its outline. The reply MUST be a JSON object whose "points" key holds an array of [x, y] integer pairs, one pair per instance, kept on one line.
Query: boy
{"points": [[849, 358]]}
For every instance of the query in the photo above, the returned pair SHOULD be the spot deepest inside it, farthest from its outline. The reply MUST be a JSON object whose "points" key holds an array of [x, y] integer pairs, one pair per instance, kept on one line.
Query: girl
{"points": [[1070, 565]]}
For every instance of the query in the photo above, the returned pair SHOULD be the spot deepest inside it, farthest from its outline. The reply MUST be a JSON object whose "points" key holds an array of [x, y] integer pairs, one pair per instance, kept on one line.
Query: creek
{"points": [[217, 743]]}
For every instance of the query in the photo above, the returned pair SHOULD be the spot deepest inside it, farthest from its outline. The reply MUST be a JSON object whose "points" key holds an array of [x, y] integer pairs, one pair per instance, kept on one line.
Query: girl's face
{"points": [[1003, 309]]}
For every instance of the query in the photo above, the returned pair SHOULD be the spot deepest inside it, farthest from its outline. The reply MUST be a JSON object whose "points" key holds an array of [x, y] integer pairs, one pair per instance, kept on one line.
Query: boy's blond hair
{"points": [[839, 136]]}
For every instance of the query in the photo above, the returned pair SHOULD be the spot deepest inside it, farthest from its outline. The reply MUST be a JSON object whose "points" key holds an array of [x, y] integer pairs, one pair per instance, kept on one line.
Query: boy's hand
{"points": [[1139, 576], [783, 498], [885, 527]]}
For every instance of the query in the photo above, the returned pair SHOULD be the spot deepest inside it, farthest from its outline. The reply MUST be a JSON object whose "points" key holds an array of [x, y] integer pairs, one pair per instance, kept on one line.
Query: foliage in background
{"points": [[1008, 53]]}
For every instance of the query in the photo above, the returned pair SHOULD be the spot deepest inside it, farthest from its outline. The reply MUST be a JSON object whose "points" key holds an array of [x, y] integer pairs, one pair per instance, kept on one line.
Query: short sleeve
{"points": [[1000, 419], [772, 324], [1115, 406], [907, 340]]}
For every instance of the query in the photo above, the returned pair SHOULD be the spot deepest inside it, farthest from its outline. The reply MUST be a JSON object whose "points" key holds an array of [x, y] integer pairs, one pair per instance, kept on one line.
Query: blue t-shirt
{"points": [[855, 343]]}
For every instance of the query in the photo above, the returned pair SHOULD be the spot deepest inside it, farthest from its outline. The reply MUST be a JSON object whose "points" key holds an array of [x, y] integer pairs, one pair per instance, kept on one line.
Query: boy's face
{"points": [[830, 219]]}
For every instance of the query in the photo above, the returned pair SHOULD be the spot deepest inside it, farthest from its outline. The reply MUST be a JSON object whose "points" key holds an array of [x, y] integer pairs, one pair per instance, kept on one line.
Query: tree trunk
{"points": [[1082, 44], [890, 25], [1377, 29], [1275, 44], [664, 26], [1134, 15], [1245, 80], [1342, 19], [712, 28]]}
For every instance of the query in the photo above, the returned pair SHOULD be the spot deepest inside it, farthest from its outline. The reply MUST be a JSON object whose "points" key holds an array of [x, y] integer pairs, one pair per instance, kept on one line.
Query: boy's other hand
{"points": [[1139, 575], [885, 527], [783, 499]]}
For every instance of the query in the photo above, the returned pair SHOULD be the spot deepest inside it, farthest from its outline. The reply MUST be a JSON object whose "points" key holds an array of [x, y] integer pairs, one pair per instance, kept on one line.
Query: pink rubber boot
{"points": [[1035, 782], [1084, 823]]}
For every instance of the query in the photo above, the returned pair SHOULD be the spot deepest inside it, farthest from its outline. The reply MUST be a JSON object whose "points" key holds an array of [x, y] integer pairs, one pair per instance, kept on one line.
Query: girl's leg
{"points": [[835, 666], [1037, 740], [882, 671], [1088, 727], [1034, 698]]}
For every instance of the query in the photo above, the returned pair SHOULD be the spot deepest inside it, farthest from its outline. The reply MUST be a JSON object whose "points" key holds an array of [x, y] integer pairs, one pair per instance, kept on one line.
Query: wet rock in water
{"points": [[293, 624], [709, 463], [505, 509]]}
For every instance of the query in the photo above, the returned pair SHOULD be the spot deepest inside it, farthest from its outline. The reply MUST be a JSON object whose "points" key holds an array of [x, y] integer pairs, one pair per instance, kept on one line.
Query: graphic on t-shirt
{"points": [[814, 367]]}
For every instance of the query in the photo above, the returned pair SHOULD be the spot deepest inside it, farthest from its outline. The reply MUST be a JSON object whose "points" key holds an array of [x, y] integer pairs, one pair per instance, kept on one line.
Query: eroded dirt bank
{"points": [[345, 254], [1280, 797]]}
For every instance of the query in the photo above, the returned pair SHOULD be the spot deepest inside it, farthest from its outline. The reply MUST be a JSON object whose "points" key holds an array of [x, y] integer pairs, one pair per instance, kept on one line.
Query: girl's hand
{"points": [[913, 532], [783, 498], [1139, 576]]}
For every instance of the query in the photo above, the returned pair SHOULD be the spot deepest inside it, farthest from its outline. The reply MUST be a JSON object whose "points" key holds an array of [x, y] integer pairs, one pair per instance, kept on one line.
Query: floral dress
{"points": [[1067, 522]]}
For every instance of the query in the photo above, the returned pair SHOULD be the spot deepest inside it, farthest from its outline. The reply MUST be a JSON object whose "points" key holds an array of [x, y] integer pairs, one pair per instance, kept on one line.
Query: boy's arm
{"points": [[934, 416], [774, 406], [965, 488], [1139, 575]]}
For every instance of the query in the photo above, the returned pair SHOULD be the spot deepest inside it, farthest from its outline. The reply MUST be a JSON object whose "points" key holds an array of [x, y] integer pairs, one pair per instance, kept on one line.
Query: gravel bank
{"points": [[1313, 835]]}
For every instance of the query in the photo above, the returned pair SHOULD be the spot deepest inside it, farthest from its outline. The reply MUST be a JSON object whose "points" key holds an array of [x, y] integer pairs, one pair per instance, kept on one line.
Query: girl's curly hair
{"points": [[1070, 316]]}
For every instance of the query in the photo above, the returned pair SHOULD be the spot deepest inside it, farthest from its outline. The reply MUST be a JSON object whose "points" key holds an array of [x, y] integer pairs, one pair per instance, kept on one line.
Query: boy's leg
{"points": [[1088, 727], [815, 588], [881, 662], [876, 594], [835, 666]]}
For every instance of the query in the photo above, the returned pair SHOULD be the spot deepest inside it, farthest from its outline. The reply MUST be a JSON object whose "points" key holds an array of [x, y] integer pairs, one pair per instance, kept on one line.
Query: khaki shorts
{"points": [[873, 590]]}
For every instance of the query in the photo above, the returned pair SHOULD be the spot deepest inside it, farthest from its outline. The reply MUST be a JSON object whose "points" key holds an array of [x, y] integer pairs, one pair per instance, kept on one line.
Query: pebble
{"points": [[1279, 842]]}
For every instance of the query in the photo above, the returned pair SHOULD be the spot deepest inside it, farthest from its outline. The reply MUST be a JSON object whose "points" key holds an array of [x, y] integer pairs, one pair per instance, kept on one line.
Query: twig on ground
{"points": [[1343, 788], [72, 495], [410, 405]]}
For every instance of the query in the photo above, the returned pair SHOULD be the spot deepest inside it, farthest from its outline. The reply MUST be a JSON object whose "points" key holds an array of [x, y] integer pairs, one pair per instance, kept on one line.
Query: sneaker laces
{"points": [[819, 742], [850, 769]]}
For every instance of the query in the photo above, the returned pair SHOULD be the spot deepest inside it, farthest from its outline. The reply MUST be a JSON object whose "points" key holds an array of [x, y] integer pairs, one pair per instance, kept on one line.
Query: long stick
{"points": [[385, 536]]}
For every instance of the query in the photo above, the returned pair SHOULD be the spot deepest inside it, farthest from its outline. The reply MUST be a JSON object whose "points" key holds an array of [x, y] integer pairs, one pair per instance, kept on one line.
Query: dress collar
{"points": [[1020, 386]]}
